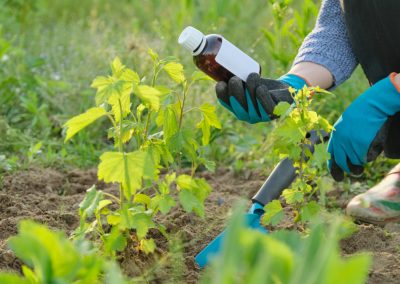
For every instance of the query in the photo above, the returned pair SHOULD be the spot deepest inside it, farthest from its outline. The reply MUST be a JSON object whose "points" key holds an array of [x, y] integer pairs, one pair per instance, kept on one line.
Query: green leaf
{"points": [[282, 108], [77, 123], [209, 120], [209, 113], [91, 202], [190, 202], [127, 168], [117, 67], [115, 241], [130, 76], [320, 156], [183, 141], [114, 220], [109, 86], [273, 213], [292, 196], [200, 76], [170, 125], [166, 203], [192, 193], [142, 198], [147, 246], [309, 210], [149, 95], [153, 55], [11, 278], [175, 71], [142, 222], [120, 102]]}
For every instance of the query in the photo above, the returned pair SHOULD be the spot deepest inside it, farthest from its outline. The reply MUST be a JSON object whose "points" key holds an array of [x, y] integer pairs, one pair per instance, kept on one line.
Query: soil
{"points": [[52, 197]]}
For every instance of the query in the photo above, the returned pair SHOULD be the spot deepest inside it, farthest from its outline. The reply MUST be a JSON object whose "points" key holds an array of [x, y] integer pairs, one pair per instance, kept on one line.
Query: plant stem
{"points": [[185, 91], [112, 196], [146, 128], [121, 150]]}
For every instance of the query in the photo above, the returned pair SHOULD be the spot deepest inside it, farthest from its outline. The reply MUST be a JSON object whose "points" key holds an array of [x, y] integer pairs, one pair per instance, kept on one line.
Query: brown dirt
{"points": [[53, 197]]}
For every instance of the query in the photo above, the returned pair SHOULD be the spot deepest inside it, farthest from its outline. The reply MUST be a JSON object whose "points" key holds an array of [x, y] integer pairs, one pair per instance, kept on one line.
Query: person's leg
{"points": [[380, 204]]}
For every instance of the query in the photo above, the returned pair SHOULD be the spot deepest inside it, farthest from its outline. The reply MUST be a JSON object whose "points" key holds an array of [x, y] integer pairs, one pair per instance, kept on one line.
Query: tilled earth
{"points": [[52, 197]]}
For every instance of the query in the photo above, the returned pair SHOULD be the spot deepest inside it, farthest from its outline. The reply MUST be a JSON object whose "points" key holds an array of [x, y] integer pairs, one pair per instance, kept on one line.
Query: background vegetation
{"points": [[51, 50]]}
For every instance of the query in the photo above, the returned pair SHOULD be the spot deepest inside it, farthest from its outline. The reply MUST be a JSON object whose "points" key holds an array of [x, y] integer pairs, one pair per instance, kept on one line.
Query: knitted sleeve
{"points": [[328, 44]]}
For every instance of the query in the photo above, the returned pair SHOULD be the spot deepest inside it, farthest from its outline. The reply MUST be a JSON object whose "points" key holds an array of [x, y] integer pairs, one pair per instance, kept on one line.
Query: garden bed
{"points": [[52, 197]]}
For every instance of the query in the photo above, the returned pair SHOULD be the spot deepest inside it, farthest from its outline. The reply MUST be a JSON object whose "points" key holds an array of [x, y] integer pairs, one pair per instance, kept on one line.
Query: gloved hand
{"points": [[255, 100], [361, 133]]}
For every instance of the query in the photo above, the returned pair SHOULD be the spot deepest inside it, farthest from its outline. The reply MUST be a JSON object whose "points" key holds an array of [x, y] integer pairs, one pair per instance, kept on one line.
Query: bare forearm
{"points": [[314, 74]]}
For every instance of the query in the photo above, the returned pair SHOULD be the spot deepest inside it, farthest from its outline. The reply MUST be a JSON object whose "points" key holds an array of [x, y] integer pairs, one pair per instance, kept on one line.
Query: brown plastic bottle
{"points": [[216, 56]]}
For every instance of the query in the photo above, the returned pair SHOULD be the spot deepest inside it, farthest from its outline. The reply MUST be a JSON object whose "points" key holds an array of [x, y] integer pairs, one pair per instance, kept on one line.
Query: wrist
{"points": [[295, 81], [395, 79]]}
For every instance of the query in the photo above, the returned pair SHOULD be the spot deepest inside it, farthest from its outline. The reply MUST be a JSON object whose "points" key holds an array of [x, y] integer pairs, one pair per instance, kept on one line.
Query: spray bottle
{"points": [[216, 56]]}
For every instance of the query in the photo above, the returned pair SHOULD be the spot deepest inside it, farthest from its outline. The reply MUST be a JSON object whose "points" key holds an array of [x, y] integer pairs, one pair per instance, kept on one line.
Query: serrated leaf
{"points": [[117, 67], [147, 246], [190, 202], [113, 220], [130, 76], [149, 96], [195, 191], [185, 182], [273, 213], [142, 198], [103, 204], [282, 108], [175, 71], [153, 55], [166, 203], [292, 196], [91, 202], [77, 123], [115, 241], [120, 102], [309, 210], [320, 156], [209, 113], [209, 120], [142, 222], [200, 76], [170, 122], [183, 141], [108, 86], [126, 168]]}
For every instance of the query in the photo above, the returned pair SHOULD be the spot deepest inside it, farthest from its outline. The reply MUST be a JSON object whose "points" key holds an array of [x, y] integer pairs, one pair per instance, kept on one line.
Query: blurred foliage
{"points": [[250, 256]]}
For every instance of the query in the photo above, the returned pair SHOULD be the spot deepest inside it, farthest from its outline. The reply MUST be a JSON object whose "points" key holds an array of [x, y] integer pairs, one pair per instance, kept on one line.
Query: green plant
{"points": [[291, 140], [288, 29], [50, 257], [150, 136], [249, 256]]}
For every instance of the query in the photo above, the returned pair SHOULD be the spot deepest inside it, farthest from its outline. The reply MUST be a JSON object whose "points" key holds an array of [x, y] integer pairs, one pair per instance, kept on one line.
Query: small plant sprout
{"points": [[150, 137]]}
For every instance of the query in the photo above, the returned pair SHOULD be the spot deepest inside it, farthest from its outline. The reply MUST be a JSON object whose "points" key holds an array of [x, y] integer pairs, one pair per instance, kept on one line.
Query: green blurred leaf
{"points": [[273, 213]]}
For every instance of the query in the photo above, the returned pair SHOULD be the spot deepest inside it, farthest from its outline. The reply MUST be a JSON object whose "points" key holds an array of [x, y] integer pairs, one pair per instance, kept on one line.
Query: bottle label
{"points": [[236, 61]]}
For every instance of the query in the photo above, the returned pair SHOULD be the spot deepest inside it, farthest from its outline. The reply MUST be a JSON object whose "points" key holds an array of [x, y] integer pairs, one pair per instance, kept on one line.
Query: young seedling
{"points": [[291, 140], [150, 136]]}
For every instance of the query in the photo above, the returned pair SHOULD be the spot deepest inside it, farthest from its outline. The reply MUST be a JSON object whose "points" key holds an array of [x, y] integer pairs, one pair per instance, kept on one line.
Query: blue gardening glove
{"points": [[360, 133], [255, 100]]}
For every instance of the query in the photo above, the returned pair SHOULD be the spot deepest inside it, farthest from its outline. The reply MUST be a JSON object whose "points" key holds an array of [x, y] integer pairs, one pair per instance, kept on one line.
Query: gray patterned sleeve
{"points": [[328, 44]]}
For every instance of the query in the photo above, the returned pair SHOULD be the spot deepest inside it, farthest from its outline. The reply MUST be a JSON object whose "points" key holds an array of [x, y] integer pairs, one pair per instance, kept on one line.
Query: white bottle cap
{"points": [[192, 39]]}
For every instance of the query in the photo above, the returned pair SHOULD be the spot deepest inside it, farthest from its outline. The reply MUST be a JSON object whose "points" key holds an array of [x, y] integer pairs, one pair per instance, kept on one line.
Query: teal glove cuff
{"points": [[294, 81]]}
